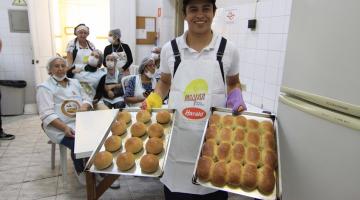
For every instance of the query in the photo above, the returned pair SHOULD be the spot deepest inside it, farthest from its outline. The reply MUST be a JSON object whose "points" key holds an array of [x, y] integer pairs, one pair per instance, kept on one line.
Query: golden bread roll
{"points": [[249, 177], [252, 124], [269, 158], [214, 119], [238, 135], [266, 126], [208, 149], [253, 138], [113, 143], [125, 161], [228, 121], [266, 180], [143, 116], [138, 129], [268, 141], [211, 132], [223, 151], [133, 145], [124, 116], [252, 155], [225, 135], [103, 160], [149, 163], [204, 168], [240, 121], [154, 146], [234, 170], [118, 128], [163, 117], [219, 173], [238, 152], [155, 130]]}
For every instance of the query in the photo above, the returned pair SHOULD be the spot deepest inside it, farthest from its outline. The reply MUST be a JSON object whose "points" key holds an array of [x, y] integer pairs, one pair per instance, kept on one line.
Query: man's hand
{"points": [[236, 101], [152, 101], [69, 132]]}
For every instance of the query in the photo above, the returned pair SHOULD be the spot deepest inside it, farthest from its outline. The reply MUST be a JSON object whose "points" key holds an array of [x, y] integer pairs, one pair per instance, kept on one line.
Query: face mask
{"points": [[110, 64], [149, 74], [111, 39], [93, 61], [59, 78], [155, 56]]}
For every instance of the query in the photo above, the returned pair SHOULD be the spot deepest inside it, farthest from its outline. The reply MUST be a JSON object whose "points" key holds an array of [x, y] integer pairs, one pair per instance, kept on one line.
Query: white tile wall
{"points": [[262, 52], [16, 54]]}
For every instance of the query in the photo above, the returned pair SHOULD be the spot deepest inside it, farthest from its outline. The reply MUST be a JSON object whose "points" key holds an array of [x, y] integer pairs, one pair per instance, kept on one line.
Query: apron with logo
{"points": [[121, 61], [139, 89], [90, 80], [192, 95], [82, 56]]}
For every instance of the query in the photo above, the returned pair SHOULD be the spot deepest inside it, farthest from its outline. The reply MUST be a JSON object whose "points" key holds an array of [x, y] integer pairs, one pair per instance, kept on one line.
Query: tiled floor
{"points": [[25, 171]]}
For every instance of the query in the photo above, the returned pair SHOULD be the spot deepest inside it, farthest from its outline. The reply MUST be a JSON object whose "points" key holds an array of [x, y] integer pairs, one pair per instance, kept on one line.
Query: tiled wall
{"points": [[16, 54], [262, 51]]}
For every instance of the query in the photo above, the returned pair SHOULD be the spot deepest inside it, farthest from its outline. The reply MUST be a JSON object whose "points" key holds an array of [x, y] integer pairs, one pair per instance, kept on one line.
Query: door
{"points": [[40, 20]]}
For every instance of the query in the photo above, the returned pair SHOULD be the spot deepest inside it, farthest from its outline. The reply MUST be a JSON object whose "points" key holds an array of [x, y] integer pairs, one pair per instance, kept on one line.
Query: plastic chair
{"points": [[63, 159]]}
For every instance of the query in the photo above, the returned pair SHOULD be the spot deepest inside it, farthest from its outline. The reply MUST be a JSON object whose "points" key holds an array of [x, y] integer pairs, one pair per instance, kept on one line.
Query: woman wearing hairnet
{"points": [[123, 50], [140, 86]]}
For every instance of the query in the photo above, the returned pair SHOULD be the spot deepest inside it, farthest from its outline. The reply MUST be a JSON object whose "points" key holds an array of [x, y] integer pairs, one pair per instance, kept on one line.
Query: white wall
{"points": [[262, 52], [16, 54]]}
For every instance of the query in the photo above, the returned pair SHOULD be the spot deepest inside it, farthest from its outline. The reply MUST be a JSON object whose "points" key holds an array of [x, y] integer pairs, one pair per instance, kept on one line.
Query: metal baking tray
{"points": [[136, 170], [277, 193]]}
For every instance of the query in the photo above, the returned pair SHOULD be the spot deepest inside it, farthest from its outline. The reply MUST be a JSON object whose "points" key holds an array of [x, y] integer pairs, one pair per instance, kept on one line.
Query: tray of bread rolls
{"points": [[136, 144], [239, 154]]}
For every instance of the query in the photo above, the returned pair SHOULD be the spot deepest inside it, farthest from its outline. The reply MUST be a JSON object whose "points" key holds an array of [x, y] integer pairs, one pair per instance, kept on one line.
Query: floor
{"points": [[25, 171]]}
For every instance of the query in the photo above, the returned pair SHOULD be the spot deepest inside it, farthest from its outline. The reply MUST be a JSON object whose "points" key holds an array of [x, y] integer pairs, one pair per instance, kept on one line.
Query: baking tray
{"points": [[136, 170], [277, 193]]}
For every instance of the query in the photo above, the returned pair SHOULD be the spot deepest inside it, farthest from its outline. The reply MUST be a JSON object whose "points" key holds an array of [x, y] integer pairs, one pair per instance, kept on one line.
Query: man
{"points": [[3, 135], [199, 68]]}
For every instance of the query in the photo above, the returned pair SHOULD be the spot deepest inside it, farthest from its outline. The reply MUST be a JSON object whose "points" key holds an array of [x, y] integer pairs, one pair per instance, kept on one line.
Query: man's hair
{"points": [[186, 2]]}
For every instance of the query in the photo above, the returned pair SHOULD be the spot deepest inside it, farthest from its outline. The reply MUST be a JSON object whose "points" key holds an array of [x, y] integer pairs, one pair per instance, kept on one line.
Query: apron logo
{"points": [[196, 92], [194, 113], [70, 107]]}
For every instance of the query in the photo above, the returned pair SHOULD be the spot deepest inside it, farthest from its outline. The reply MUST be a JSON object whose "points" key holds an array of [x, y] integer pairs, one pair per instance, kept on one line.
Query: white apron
{"points": [[113, 80], [82, 57], [90, 80], [121, 61], [139, 89], [192, 95]]}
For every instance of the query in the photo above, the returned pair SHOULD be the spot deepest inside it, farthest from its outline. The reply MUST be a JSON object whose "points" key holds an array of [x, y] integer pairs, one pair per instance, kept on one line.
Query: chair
{"points": [[63, 159]]}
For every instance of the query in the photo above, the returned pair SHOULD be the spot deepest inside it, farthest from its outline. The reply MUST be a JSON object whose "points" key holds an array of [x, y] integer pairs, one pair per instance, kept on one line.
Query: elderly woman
{"points": [[58, 100], [79, 49], [90, 75], [125, 58], [141, 85], [110, 90]]}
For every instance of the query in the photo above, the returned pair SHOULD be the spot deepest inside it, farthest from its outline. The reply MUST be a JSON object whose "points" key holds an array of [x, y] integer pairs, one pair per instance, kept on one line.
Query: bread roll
{"points": [[118, 128], [103, 160], [208, 149], [238, 152], [113, 143], [133, 145], [155, 130], [269, 158], [253, 138], [267, 126], [228, 121], [204, 168], [163, 117], [214, 119], [223, 151], [125, 161], [138, 129], [252, 155], [249, 177], [149, 163], [238, 135], [240, 121], [266, 180], [219, 173], [234, 170], [124, 116], [211, 132], [252, 124], [225, 135], [268, 141], [154, 146], [143, 116]]}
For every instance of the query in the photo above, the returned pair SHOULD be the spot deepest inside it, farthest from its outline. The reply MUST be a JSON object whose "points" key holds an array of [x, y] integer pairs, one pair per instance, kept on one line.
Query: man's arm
{"points": [[233, 82], [163, 86]]}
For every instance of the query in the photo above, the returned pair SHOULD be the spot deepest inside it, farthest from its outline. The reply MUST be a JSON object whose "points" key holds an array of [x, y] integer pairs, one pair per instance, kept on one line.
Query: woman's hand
{"points": [[76, 70], [69, 132], [84, 107], [111, 94]]}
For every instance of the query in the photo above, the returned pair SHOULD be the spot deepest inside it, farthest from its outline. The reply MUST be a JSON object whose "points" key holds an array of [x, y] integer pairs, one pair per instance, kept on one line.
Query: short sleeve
{"points": [[166, 52], [234, 60], [70, 46]]}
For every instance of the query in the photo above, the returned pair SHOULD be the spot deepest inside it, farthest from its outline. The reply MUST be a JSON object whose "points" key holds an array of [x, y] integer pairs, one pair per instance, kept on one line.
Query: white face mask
{"points": [[111, 39], [149, 74], [110, 64], [155, 56], [93, 61], [59, 78]]}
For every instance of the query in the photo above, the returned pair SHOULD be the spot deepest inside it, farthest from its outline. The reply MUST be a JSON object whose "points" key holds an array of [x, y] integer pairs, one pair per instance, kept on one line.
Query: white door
{"points": [[40, 20]]}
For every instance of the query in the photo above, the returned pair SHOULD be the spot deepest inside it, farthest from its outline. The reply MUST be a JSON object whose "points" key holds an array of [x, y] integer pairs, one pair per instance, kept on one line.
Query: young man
{"points": [[200, 69]]}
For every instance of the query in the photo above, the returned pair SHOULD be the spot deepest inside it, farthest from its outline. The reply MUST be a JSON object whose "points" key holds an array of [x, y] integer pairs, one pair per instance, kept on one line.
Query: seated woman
{"points": [[110, 90], [58, 100], [90, 75], [140, 86]]}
